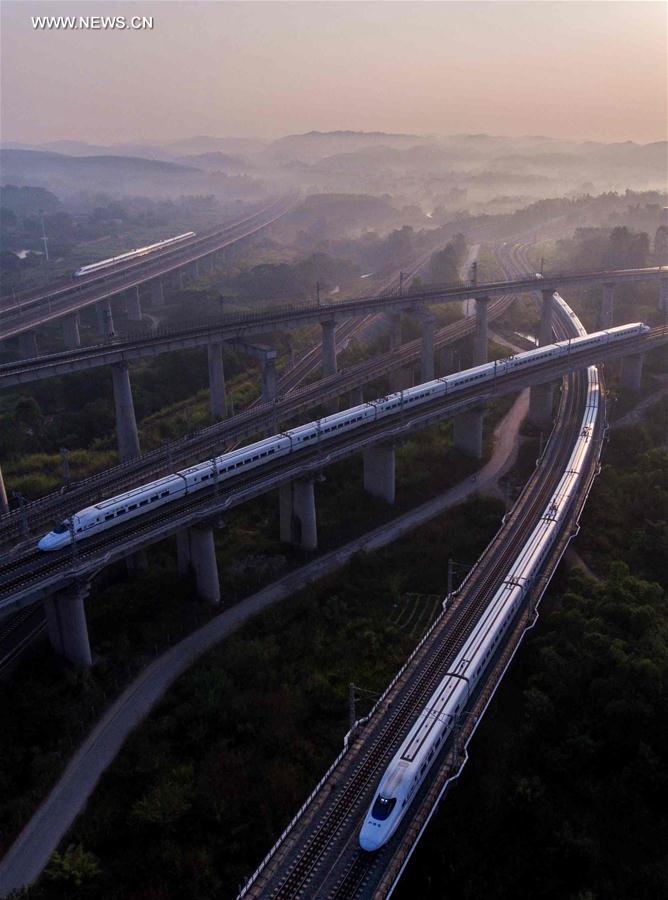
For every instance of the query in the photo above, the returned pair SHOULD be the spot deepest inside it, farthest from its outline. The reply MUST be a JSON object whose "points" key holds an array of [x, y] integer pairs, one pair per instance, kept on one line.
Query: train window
{"points": [[269, 452], [164, 494], [239, 464], [423, 767], [383, 807], [110, 516], [132, 506], [143, 502], [121, 512]]}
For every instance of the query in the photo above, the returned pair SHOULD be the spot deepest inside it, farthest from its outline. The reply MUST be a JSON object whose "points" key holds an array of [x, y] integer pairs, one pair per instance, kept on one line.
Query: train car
{"points": [[130, 255], [262, 452]]}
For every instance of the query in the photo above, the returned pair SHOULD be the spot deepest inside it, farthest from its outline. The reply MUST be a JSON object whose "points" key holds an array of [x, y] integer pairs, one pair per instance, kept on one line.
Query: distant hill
{"points": [[316, 145], [218, 162], [109, 174], [203, 144]]}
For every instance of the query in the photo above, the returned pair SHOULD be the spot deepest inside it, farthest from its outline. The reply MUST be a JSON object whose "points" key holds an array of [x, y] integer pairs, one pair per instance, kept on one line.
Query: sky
{"points": [[583, 70]]}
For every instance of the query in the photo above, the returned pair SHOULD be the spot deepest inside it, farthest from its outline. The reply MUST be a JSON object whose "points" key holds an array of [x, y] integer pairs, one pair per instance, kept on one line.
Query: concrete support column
{"points": [[481, 336], [71, 334], [157, 293], [379, 471], [195, 269], [67, 627], [468, 432], [356, 397], [540, 395], [297, 514], [540, 405], [28, 345], [269, 378], [217, 401], [204, 565], [328, 349], [291, 354], [427, 369], [607, 306], [395, 330], [631, 374], [183, 552], [182, 276], [4, 502], [663, 296], [133, 304], [126, 423], [105, 319]]}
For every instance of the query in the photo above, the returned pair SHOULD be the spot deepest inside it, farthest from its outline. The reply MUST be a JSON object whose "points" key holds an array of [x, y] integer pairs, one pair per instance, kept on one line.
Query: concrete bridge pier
{"points": [[217, 401], [481, 336], [427, 367], [663, 296], [67, 626], [631, 372], [397, 377], [133, 304], [468, 432], [71, 334], [379, 471], [4, 502], [607, 306], [540, 395], [297, 514], [105, 319], [28, 345], [157, 293], [194, 269], [126, 423], [395, 330], [269, 381], [203, 563], [182, 277], [328, 348]]}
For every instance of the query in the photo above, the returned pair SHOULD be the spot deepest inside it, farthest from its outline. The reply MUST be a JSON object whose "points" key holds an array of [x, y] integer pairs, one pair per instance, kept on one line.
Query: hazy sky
{"points": [[571, 69]]}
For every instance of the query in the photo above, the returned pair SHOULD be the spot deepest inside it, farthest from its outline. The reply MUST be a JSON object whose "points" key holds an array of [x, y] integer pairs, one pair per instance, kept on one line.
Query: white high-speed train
{"points": [[138, 501], [131, 254], [412, 762]]}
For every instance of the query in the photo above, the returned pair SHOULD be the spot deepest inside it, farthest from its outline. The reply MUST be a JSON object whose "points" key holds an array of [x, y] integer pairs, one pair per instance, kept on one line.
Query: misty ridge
{"points": [[439, 175]]}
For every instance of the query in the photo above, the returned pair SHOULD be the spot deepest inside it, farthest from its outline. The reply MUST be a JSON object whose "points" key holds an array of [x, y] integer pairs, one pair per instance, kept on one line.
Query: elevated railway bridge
{"points": [[28, 576], [20, 316]]}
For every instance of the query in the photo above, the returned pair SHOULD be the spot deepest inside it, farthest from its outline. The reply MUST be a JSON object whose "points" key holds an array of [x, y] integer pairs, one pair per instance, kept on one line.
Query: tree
{"points": [[661, 245], [75, 866]]}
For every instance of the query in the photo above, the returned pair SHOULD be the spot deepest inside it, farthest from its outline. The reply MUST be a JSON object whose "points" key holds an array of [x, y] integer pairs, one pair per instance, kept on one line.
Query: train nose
{"points": [[46, 543], [369, 841]]}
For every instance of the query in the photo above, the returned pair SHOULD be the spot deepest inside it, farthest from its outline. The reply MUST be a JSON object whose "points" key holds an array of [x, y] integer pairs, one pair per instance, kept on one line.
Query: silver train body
{"points": [[130, 255], [134, 503], [412, 762]]}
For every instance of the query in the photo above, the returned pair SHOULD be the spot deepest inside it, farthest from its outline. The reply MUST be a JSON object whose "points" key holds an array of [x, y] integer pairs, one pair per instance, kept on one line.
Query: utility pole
{"points": [[317, 292], [542, 264], [401, 283], [352, 717], [474, 272]]}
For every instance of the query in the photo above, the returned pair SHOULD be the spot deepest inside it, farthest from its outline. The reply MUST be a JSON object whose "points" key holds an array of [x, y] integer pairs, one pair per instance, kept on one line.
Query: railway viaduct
{"points": [[62, 580], [238, 331], [21, 315]]}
